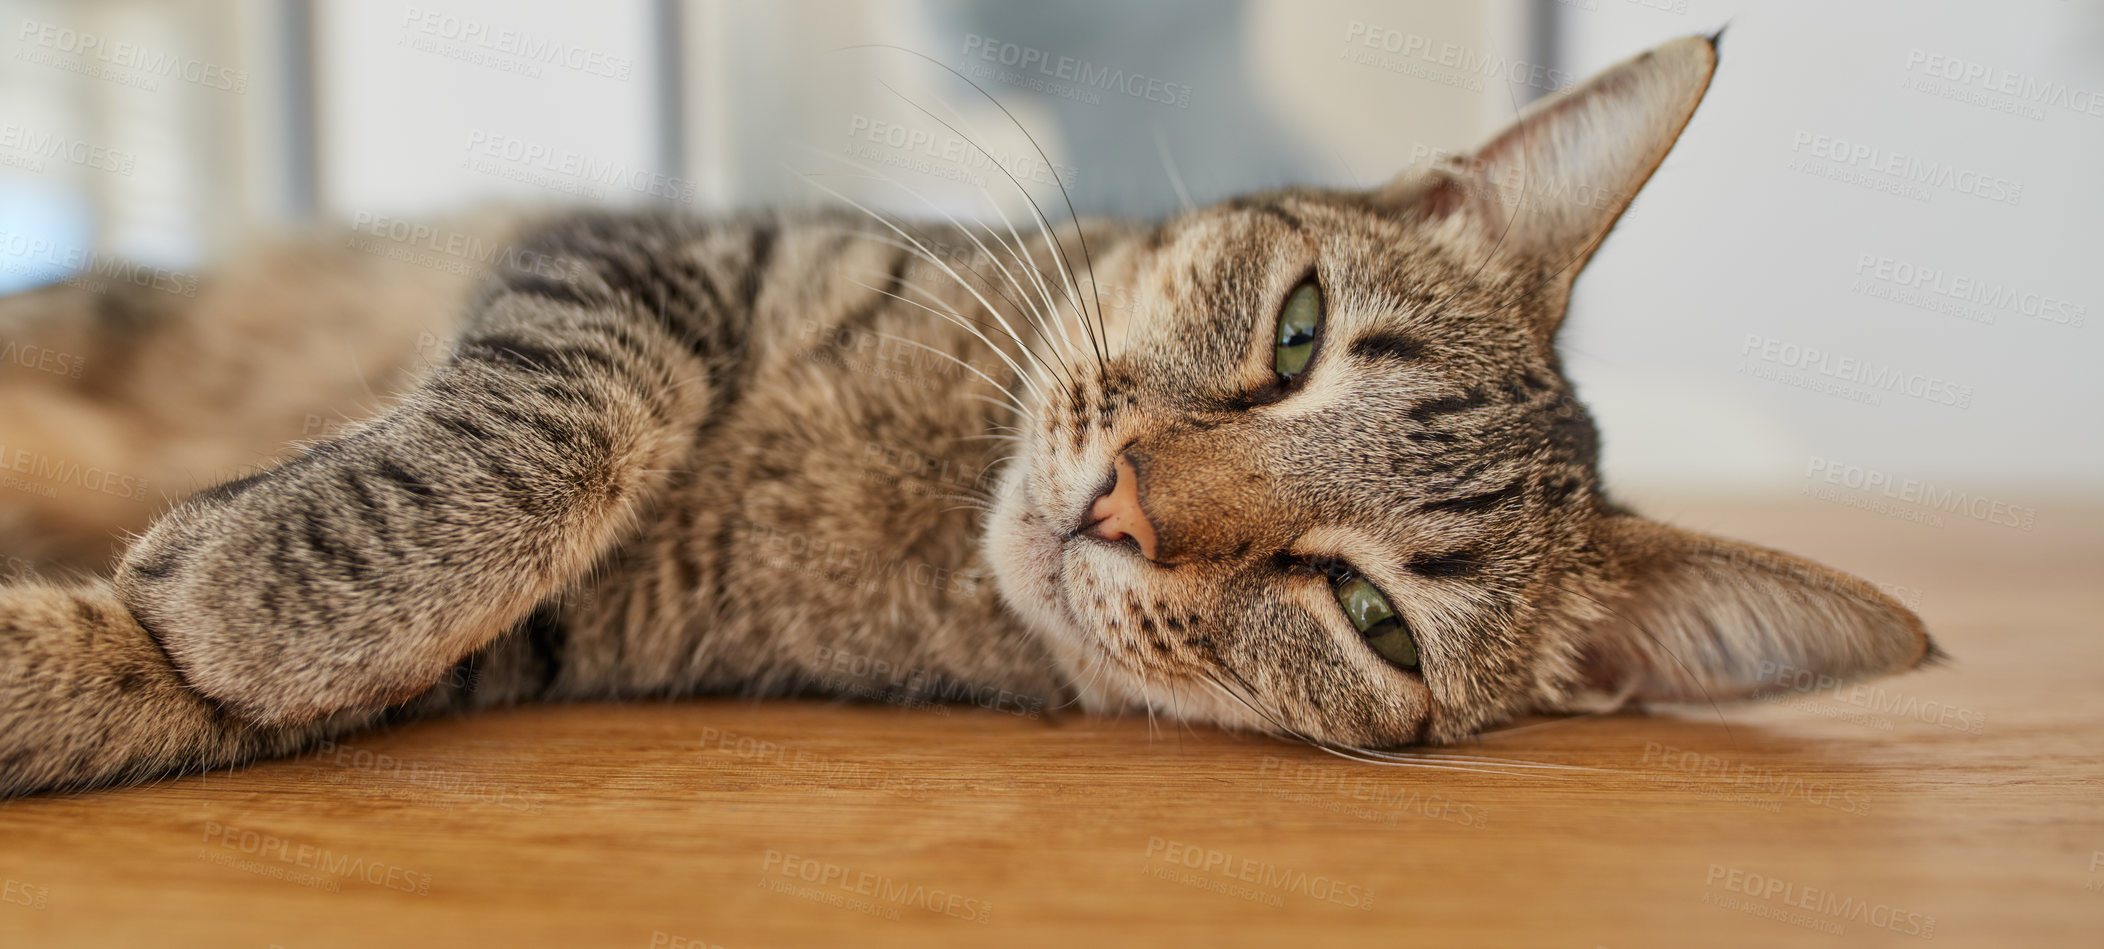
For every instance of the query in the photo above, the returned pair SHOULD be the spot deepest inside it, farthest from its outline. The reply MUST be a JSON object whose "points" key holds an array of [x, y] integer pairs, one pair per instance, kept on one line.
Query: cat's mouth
{"points": [[1033, 551]]}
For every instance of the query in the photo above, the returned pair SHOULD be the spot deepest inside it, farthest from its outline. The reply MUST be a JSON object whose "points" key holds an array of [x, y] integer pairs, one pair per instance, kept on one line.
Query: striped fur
{"points": [[751, 456]]}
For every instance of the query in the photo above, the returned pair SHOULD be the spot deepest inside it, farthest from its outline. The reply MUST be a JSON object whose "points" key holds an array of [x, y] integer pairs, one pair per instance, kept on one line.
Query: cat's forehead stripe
{"points": [[1390, 345], [1270, 208]]}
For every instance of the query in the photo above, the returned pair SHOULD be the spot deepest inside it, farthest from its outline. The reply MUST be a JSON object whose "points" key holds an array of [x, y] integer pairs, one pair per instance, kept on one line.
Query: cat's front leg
{"points": [[87, 700], [355, 576]]}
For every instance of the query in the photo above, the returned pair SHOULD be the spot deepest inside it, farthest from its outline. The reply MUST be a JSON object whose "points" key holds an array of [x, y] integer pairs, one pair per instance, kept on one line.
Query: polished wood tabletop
{"points": [[1959, 806]]}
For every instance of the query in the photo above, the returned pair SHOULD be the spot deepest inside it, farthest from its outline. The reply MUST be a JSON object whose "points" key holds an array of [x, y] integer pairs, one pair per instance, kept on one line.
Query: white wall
{"points": [[1733, 246], [432, 106]]}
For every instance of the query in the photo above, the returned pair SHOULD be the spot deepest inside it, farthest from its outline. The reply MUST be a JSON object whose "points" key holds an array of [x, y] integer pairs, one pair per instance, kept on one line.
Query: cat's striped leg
{"points": [[355, 576], [87, 699]]}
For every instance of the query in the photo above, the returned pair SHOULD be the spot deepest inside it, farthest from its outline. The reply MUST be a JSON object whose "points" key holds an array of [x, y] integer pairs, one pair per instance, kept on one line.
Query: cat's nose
{"points": [[1117, 514]]}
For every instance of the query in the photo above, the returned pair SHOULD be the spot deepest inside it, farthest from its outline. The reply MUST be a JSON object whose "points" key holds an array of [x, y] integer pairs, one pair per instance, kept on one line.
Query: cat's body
{"points": [[722, 456], [810, 527]]}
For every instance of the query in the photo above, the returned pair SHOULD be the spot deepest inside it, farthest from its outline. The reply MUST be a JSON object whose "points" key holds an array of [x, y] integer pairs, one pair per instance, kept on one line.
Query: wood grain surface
{"points": [[1962, 806]]}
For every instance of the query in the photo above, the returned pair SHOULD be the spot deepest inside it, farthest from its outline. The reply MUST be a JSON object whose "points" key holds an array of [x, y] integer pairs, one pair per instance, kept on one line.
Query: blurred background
{"points": [[1869, 272]]}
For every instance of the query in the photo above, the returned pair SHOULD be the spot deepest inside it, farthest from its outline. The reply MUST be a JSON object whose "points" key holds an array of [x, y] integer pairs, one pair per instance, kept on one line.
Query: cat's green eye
{"points": [[1375, 618], [1298, 323]]}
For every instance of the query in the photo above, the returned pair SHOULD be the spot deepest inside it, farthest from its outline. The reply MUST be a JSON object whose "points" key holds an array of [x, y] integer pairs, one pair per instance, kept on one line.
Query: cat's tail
{"points": [[87, 699]]}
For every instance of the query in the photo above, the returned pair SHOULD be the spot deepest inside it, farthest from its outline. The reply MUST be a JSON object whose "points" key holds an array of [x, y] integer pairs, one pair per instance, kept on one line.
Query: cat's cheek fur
{"points": [[1025, 556]]}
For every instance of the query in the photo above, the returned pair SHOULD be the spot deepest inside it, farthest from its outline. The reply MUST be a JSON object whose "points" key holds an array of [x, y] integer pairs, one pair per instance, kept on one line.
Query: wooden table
{"points": [[1957, 807]]}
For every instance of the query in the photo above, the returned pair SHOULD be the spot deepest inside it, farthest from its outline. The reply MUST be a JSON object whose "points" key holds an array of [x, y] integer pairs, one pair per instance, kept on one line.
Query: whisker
{"points": [[953, 312], [1098, 664], [989, 466], [1564, 720], [1377, 762], [1161, 147], [973, 369], [1005, 405], [917, 252], [1026, 380], [1349, 752], [968, 233], [1477, 759], [996, 205], [1043, 222]]}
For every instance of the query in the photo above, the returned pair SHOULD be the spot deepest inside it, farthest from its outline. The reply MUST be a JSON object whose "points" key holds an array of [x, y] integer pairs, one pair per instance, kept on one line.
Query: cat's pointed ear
{"points": [[1701, 618], [1546, 190]]}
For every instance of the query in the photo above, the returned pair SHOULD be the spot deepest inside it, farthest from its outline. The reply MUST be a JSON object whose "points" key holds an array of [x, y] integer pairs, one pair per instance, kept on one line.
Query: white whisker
{"points": [[1036, 273], [969, 235], [1025, 377], [1161, 147]]}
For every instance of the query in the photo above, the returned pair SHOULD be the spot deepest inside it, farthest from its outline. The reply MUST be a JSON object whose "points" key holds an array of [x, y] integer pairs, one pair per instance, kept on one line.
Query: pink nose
{"points": [[1118, 515]]}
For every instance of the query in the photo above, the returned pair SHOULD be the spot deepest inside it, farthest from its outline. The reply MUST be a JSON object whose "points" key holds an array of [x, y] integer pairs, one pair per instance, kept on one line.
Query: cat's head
{"points": [[1330, 480]]}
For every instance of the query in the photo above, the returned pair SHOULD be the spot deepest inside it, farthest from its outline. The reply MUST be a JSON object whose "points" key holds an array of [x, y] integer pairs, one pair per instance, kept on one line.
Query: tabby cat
{"points": [[1303, 462]]}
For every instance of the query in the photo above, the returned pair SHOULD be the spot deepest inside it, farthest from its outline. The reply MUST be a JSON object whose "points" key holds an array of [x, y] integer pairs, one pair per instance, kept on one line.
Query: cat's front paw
{"points": [[271, 599]]}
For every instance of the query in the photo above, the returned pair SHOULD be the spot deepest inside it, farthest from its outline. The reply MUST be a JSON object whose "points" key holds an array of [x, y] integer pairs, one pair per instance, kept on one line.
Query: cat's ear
{"points": [[1701, 618], [1546, 190]]}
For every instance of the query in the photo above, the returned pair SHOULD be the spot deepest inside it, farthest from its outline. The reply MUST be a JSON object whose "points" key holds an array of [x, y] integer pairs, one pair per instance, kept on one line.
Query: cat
{"points": [[1302, 462]]}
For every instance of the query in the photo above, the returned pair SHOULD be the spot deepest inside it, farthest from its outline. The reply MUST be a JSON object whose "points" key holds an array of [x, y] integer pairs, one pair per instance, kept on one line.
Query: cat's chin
{"points": [[1029, 558], [1028, 555]]}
